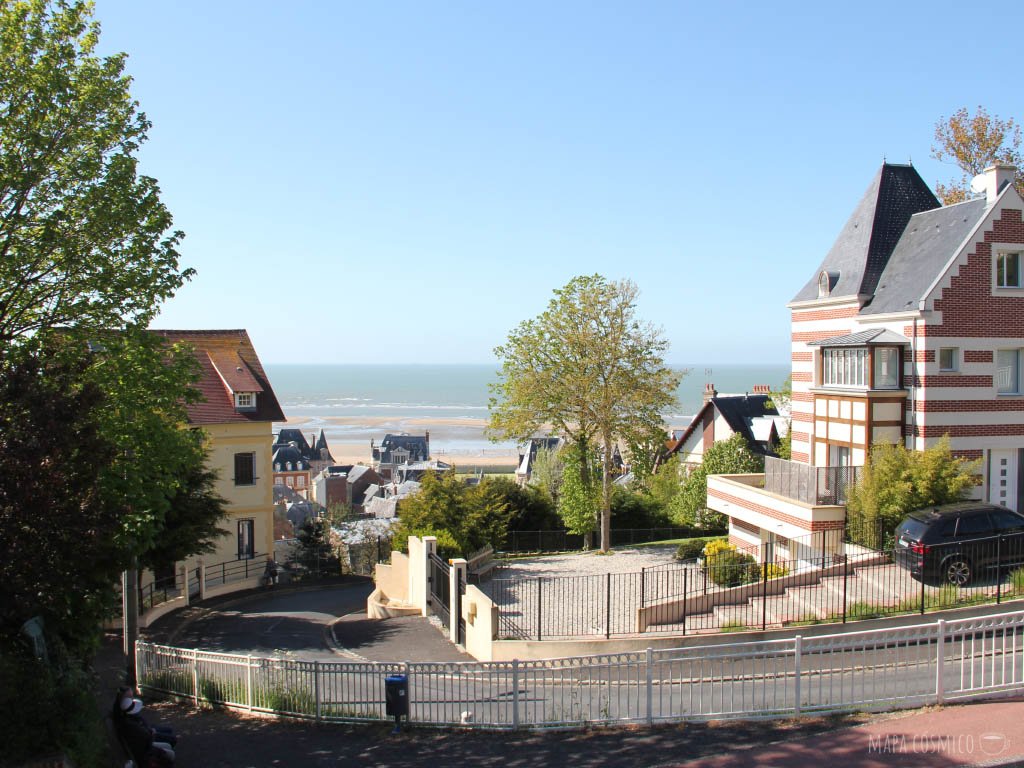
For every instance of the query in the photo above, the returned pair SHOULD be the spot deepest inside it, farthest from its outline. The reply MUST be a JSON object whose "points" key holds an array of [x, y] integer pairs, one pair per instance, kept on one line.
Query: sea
{"points": [[356, 403]]}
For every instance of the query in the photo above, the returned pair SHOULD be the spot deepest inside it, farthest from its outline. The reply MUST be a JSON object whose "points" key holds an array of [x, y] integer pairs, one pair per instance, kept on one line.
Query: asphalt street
{"points": [[283, 623]]}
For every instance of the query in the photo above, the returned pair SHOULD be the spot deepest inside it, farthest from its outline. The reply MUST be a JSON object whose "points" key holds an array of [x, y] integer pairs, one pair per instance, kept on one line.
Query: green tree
{"points": [[645, 451], [896, 481], [973, 143], [665, 484], [61, 560], [725, 457], [546, 473], [578, 501], [83, 240], [466, 518], [588, 368], [315, 554]]}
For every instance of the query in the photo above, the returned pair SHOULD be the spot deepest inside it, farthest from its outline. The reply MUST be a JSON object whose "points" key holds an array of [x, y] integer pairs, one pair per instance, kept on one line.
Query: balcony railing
{"points": [[811, 485]]}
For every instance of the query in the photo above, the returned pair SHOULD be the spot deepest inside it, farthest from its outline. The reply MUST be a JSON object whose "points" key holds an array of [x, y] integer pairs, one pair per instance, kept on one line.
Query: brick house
{"points": [[911, 328]]}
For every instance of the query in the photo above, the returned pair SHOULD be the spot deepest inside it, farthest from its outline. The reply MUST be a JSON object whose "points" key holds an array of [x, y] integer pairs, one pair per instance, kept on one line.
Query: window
{"points": [[245, 401], [245, 469], [887, 367], [1008, 371], [823, 286], [949, 358], [974, 525], [1008, 270], [845, 367], [246, 539], [288, 481], [300, 481]]}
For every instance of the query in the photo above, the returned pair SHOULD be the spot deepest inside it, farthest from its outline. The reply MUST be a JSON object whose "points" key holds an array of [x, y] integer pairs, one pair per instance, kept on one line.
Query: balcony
{"points": [[816, 486]]}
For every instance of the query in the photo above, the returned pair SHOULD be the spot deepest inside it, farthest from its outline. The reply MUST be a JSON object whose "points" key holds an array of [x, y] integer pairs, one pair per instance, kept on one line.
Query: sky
{"points": [[407, 181]]}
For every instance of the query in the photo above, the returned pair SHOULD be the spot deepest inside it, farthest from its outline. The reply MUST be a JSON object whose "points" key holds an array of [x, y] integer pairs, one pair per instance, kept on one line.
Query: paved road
{"points": [[284, 623]]}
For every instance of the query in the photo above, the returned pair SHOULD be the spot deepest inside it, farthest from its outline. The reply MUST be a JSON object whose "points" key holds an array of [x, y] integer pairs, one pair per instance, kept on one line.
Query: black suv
{"points": [[956, 542]]}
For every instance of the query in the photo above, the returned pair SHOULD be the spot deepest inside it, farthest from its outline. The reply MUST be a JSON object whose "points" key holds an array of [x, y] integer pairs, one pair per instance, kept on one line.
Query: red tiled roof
{"points": [[227, 361]]}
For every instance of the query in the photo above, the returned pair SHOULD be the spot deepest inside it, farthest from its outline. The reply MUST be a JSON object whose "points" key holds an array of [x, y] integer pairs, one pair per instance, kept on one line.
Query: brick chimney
{"points": [[997, 176], [761, 389], [709, 391]]}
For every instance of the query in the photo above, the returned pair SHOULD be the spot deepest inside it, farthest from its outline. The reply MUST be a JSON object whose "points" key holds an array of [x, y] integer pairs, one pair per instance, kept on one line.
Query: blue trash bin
{"points": [[396, 695]]}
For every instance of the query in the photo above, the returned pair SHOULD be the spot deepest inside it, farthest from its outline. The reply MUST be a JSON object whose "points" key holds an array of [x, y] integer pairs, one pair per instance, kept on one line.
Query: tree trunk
{"points": [[606, 495]]}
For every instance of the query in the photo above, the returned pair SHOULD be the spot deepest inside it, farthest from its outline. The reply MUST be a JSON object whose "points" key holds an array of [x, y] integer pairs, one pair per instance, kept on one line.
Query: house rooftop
{"points": [[228, 365]]}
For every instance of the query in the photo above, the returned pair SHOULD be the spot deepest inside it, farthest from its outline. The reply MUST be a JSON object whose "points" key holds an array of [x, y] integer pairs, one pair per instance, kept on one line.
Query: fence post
{"points": [[202, 581], [686, 596], [940, 661], [650, 686], [846, 578], [607, 606], [999, 570], [643, 576], [922, 593], [184, 580], [408, 692], [764, 596], [797, 661], [248, 682], [316, 687], [456, 575], [515, 693], [195, 677], [540, 613]]}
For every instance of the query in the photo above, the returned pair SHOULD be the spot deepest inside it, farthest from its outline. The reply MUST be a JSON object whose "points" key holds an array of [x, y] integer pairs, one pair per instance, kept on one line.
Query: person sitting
{"points": [[148, 745], [270, 572]]}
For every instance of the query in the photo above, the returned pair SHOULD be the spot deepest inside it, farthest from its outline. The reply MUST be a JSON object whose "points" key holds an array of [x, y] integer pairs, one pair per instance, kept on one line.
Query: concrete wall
{"points": [[481, 617], [393, 579]]}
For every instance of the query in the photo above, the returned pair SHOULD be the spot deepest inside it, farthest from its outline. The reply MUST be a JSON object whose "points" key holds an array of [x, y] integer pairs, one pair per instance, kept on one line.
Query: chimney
{"points": [[761, 389], [709, 391], [997, 176]]}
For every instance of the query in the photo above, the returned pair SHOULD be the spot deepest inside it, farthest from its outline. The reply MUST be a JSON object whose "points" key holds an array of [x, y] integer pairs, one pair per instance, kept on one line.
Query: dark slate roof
{"points": [[320, 446], [285, 453], [417, 445], [736, 410], [286, 436], [357, 471], [861, 338], [860, 253], [227, 359], [929, 241]]}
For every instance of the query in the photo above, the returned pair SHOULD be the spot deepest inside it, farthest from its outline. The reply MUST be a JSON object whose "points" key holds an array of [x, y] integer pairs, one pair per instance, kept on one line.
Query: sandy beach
{"points": [[349, 437]]}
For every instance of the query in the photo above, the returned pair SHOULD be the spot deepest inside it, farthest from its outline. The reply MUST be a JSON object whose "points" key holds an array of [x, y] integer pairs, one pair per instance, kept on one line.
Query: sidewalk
{"points": [[987, 733]]}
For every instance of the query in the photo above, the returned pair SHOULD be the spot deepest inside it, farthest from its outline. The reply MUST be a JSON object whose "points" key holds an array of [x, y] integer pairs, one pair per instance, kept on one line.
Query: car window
{"points": [[1006, 521], [977, 524], [912, 528], [943, 528]]}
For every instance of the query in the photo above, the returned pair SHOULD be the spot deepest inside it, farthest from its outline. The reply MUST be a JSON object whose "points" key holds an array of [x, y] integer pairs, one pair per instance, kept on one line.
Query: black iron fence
{"points": [[521, 542], [731, 592]]}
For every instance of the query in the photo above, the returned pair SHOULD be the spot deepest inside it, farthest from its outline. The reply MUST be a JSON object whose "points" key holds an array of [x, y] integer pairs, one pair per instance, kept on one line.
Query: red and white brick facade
{"points": [[961, 310]]}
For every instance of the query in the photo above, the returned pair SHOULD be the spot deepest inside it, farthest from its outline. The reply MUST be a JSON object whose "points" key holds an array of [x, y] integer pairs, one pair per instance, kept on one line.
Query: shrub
{"points": [[728, 567], [690, 549]]}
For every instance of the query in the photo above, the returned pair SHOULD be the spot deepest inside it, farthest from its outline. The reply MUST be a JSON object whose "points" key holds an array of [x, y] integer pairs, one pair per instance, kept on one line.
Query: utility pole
{"points": [[130, 611]]}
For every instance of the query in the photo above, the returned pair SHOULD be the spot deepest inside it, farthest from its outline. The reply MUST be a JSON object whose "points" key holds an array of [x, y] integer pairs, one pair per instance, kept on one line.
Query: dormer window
{"points": [[245, 401], [826, 282]]}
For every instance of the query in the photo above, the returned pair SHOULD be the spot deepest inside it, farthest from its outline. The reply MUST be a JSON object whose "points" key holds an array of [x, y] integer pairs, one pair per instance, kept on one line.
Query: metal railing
{"points": [[821, 580], [811, 485], [564, 541], [913, 666]]}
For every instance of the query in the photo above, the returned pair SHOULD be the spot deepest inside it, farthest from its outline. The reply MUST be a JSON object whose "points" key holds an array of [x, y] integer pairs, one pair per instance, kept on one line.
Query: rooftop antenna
{"points": [[707, 375]]}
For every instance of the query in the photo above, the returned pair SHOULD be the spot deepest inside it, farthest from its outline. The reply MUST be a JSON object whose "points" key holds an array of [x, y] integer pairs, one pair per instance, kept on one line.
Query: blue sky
{"points": [[405, 182]]}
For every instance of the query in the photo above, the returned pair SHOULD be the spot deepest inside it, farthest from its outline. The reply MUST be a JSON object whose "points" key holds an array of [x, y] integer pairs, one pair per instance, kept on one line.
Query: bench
{"points": [[480, 564]]}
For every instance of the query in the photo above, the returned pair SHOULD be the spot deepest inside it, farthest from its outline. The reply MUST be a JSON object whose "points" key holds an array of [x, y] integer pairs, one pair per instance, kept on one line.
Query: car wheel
{"points": [[958, 571]]}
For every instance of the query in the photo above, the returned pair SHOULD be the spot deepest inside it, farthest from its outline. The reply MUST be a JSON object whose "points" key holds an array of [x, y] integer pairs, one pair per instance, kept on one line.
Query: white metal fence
{"points": [[879, 669]]}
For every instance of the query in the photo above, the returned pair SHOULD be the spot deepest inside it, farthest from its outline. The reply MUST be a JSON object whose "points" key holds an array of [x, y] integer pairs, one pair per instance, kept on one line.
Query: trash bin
{"points": [[396, 695]]}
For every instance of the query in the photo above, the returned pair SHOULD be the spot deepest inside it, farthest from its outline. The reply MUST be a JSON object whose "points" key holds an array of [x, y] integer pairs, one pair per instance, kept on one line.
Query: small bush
{"points": [[728, 567], [715, 546], [690, 549], [774, 571], [1017, 580]]}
